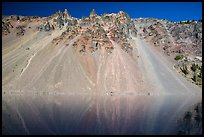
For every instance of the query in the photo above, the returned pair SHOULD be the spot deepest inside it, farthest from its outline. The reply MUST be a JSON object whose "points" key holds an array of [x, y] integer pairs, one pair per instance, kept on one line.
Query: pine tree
{"points": [[185, 70], [194, 67]]}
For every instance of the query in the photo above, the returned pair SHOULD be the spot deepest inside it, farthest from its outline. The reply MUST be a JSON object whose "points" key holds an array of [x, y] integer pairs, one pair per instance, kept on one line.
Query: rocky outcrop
{"points": [[171, 35], [6, 26], [20, 30], [93, 14]]}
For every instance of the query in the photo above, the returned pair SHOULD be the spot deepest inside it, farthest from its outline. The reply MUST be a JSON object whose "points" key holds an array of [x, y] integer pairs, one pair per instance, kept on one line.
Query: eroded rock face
{"points": [[171, 35], [118, 27]]}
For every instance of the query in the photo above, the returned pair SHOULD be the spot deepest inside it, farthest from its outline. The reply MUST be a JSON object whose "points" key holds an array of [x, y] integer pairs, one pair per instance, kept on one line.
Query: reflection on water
{"points": [[93, 114]]}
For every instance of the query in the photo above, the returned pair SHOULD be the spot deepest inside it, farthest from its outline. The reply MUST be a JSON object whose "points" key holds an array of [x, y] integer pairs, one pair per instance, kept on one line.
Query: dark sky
{"points": [[174, 11]]}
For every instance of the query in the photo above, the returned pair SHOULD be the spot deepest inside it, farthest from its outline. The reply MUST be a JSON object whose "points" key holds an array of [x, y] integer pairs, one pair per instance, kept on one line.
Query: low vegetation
{"points": [[194, 67], [191, 70], [179, 57]]}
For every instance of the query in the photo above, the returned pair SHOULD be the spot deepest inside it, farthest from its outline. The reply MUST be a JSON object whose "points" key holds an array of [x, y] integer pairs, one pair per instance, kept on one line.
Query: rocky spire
{"points": [[66, 13], [93, 13]]}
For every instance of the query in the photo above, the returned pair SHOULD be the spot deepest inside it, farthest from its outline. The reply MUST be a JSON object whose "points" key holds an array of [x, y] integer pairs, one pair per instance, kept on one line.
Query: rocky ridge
{"points": [[94, 29]]}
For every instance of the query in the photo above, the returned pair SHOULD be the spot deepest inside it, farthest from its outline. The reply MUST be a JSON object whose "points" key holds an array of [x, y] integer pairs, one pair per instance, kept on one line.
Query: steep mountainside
{"points": [[61, 52]]}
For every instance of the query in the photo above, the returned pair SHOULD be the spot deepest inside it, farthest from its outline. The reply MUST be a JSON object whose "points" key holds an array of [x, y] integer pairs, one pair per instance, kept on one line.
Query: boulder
{"points": [[47, 26]]}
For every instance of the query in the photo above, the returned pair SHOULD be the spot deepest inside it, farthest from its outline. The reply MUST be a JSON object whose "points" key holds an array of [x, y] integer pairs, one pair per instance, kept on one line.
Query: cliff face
{"points": [[67, 54], [173, 37]]}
